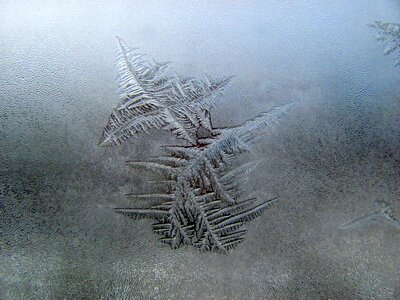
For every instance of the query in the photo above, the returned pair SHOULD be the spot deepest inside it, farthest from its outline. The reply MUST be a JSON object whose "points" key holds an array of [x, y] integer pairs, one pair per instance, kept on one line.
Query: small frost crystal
{"points": [[200, 201], [389, 34], [383, 213]]}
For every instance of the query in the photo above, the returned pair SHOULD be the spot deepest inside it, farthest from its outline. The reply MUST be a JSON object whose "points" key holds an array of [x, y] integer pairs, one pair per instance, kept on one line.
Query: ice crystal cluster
{"points": [[389, 34], [201, 201], [383, 213]]}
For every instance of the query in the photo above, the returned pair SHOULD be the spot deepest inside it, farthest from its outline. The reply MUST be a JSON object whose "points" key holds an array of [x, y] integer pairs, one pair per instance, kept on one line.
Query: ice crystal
{"points": [[389, 34], [202, 202]]}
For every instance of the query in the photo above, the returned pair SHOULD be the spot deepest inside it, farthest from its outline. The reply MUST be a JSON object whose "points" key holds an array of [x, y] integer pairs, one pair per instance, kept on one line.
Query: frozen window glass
{"points": [[200, 149]]}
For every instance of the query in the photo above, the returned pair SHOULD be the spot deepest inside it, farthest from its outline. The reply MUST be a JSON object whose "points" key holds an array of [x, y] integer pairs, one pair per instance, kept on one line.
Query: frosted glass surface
{"points": [[333, 161]]}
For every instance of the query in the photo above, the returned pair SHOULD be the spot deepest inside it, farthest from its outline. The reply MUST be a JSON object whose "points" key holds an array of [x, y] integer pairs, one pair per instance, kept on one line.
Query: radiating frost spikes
{"points": [[245, 216], [151, 196], [389, 34], [173, 161], [249, 129], [384, 214], [157, 168], [198, 202], [138, 213], [205, 197], [240, 171], [224, 212]]}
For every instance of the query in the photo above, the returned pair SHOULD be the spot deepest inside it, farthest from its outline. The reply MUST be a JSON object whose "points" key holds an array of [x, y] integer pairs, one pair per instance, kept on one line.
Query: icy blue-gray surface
{"points": [[329, 162]]}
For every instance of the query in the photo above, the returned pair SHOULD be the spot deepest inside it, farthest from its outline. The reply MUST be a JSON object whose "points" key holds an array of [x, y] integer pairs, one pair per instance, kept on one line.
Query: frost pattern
{"points": [[389, 34], [149, 99], [202, 202], [383, 213]]}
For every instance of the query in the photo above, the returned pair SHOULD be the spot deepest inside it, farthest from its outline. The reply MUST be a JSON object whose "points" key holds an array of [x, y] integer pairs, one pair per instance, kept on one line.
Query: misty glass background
{"points": [[330, 159]]}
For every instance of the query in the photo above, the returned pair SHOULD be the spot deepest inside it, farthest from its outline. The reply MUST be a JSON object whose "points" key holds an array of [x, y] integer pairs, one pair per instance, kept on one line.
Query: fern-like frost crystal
{"points": [[389, 34], [201, 200], [149, 99]]}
